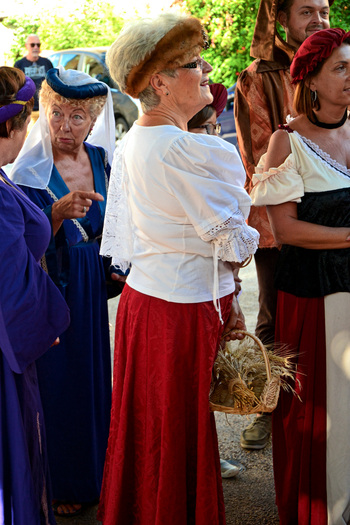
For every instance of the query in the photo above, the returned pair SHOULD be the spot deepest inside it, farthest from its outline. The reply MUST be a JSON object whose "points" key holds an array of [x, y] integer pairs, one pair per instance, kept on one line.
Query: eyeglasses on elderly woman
{"points": [[193, 65], [211, 129]]}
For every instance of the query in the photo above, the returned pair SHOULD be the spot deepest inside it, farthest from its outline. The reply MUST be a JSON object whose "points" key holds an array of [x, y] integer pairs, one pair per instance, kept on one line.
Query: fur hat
{"points": [[152, 45]]}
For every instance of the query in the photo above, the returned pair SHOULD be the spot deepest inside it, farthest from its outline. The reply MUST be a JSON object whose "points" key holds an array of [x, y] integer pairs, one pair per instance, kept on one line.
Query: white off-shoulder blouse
{"points": [[307, 169]]}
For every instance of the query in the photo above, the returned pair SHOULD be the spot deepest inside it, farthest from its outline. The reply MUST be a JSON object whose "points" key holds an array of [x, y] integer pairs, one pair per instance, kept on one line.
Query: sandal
{"points": [[72, 512]]}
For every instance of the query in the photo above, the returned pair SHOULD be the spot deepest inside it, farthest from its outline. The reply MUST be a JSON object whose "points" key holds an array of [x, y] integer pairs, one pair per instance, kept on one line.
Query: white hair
{"points": [[31, 36]]}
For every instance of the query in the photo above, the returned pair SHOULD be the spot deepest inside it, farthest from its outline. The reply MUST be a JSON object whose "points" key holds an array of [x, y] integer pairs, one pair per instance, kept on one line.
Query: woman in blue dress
{"points": [[68, 178], [32, 314]]}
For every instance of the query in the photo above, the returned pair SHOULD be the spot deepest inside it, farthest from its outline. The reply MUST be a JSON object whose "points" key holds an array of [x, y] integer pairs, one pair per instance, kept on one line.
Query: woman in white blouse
{"points": [[176, 211], [304, 179]]}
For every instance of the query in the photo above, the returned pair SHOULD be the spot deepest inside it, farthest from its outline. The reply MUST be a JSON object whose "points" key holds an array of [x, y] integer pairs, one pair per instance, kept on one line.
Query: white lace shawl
{"points": [[117, 231]]}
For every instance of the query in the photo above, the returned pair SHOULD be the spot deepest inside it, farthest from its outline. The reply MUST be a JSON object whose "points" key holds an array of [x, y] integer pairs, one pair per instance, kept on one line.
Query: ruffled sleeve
{"points": [[233, 239], [207, 177], [277, 185]]}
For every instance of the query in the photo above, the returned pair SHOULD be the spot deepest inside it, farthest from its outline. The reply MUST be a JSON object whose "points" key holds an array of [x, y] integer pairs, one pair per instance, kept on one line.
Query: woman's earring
{"points": [[313, 96]]}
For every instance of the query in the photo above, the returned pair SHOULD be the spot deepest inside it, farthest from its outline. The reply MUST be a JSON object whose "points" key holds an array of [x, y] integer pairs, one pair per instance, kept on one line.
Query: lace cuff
{"points": [[234, 240]]}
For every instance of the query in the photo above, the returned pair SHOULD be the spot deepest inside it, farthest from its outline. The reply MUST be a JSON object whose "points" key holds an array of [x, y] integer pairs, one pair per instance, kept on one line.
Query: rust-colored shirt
{"points": [[263, 99]]}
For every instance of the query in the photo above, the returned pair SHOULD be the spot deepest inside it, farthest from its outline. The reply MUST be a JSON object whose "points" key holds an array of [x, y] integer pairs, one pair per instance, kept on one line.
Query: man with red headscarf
{"points": [[263, 99]]}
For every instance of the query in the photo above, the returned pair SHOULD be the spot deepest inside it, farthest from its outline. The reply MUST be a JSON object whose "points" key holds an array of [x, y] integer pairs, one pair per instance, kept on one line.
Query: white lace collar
{"points": [[318, 153]]}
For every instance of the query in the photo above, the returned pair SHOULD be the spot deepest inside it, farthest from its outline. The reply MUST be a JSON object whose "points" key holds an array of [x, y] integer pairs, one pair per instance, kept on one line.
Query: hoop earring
{"points": [[313, 97]]}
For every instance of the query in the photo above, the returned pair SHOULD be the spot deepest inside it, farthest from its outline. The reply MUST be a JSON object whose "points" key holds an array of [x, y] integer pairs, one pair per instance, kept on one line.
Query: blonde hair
{"points": [[93, 105]]}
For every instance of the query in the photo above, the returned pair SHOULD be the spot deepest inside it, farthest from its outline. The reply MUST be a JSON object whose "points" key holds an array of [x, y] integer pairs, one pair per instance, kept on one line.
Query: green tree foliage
{"points": [[93, 24], [22, 27], [229, 23], [230, 26], [340, 14]]}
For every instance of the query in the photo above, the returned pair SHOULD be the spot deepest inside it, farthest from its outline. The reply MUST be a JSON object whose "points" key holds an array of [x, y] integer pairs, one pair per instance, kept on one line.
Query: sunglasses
{"points": [[35, 45]]}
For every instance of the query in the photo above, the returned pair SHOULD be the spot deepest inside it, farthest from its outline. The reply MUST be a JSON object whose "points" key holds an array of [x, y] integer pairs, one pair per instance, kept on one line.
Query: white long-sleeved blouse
{"points": [[177, 210]]}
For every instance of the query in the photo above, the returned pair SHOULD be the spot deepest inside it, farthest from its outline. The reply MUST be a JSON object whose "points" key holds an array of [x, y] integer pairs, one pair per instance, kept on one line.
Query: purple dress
{"points": [[32, 314]]}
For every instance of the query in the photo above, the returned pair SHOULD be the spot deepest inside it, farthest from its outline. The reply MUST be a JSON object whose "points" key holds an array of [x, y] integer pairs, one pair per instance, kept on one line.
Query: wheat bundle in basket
{"points": [[247, 377]]}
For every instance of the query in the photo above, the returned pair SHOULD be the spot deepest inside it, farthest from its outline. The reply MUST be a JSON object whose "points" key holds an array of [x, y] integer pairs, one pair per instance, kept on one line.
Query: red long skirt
{"points": [[299, 427], [162, 465]]}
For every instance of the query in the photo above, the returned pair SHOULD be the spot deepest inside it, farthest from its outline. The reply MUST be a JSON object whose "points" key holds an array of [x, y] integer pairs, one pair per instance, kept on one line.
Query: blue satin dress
{"points": [[75, 377]]}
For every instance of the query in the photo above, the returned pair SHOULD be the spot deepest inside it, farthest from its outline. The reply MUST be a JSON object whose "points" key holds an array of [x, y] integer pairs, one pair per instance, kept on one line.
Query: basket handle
{"points": [[246, 262], [262, 348]]}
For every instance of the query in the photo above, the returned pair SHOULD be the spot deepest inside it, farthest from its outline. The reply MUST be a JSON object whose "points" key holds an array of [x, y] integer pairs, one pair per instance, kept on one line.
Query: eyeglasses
{"points": [[194, 64], [35, 45], [211, 129]]}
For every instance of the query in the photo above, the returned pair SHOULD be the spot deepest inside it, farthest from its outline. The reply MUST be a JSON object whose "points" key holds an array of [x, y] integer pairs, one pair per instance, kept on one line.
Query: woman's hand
{"points": [[236, 265], [74, 205], [117, 277], [235, 321], [238, 281]]}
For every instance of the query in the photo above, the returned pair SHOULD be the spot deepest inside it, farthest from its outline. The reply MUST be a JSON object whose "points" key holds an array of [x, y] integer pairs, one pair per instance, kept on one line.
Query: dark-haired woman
{"points": [[305, 182], [32, 314], [205, 121]]}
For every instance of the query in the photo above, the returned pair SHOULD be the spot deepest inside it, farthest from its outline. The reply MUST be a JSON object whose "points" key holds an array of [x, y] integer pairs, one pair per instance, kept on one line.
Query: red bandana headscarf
{"points": [[315, 49], [219, 93]]}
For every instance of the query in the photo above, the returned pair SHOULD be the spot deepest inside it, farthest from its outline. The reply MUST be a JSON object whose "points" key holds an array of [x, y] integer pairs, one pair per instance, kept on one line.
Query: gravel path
{"points": [[249, 498]]}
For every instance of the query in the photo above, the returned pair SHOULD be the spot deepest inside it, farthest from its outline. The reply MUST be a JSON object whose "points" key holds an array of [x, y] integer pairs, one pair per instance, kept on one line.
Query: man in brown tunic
{"points": [[263, 99]]}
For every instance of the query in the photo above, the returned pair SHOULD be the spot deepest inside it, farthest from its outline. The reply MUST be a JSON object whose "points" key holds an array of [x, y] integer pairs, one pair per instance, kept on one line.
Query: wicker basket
{"points": [[222, 396]]}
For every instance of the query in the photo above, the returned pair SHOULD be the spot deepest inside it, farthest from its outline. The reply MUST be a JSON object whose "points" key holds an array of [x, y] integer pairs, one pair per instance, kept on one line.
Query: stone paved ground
{"points": [[249, 498]]}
